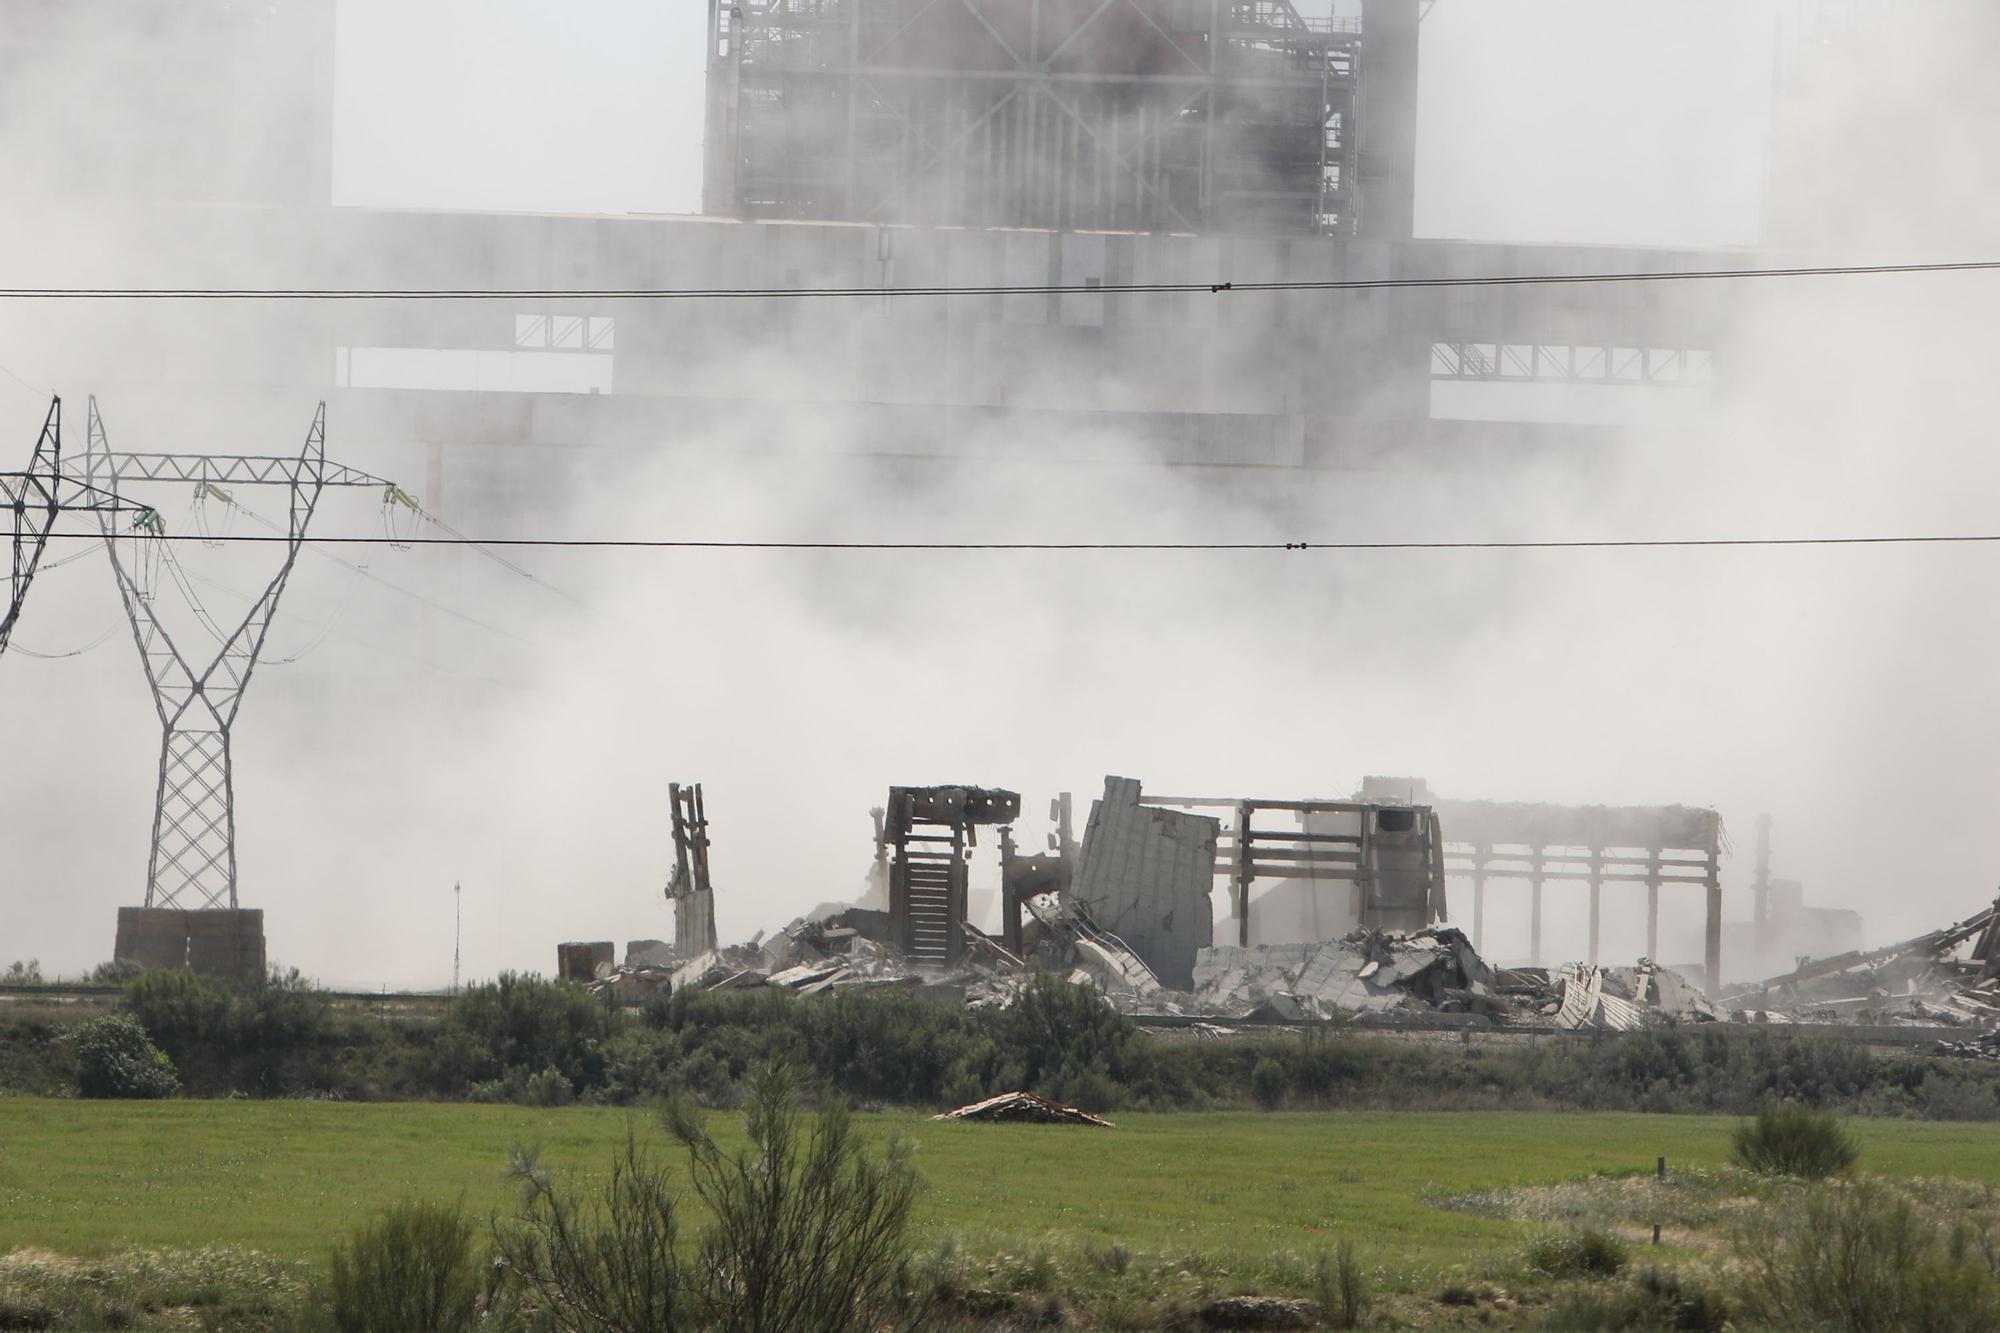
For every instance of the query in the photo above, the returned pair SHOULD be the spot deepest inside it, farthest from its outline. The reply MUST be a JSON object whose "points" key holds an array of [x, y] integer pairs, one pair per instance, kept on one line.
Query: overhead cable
{"points": [[701, 544], [1033, 289]]}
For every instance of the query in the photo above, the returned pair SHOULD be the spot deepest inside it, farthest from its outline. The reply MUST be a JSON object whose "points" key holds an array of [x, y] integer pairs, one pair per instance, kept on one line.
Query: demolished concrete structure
{"points": [[1949, 976], [1029, 875], [585, 961], [1367, 971], [1659, 846], [1129, 911], [688, 888], [1145, 875], [929, 829]]}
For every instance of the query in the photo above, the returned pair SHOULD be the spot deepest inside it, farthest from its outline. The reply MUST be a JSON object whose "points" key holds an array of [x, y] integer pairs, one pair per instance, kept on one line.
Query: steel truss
{"points": [[193, 860], [1140, 115], [37, 498]]}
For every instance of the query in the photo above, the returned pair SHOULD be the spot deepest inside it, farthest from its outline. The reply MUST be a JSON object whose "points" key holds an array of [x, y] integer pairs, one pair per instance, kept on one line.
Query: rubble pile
{"points": [[1023, 1108], [1367, 971], [835, 949], [1948, 977], [1919, 982]]}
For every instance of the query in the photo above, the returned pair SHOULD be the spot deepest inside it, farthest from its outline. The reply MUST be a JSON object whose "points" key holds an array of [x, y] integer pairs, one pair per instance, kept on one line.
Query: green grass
{"points": [[288, 1177]]}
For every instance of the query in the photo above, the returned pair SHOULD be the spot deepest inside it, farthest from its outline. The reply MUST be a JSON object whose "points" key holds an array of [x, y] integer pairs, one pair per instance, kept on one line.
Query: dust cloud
{"points": [[520, 742]]}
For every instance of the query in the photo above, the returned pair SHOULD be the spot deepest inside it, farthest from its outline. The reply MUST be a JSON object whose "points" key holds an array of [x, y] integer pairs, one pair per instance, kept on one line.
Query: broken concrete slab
{"points": [[1145, 874], [1586, 1003]]}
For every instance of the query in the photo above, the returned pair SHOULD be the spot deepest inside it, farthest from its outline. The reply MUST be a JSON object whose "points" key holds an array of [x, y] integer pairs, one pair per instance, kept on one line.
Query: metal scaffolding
{"points": [[1135, 115]]}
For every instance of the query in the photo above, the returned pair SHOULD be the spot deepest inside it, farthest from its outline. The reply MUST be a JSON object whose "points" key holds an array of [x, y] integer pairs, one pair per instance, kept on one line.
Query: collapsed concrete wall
{"points": [[226, 943], [1145, 874]]}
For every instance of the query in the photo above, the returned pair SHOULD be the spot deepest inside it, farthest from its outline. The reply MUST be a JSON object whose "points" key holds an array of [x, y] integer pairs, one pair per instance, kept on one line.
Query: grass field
{"points": [[287, 1178]]}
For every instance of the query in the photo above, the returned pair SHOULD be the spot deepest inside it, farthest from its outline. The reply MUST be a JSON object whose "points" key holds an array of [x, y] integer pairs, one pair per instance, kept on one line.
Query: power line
{"points": [[1046, 289], [701, 544]]}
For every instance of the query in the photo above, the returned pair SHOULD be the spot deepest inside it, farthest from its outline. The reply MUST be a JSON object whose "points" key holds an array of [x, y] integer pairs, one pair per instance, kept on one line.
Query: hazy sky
{"points": [[390, 750], [1541, 120]]}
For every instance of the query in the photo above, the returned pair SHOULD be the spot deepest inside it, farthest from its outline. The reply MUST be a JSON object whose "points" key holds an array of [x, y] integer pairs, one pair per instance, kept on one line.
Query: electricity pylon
{"points": [[36, 499], [33, 498], [193, 863]]}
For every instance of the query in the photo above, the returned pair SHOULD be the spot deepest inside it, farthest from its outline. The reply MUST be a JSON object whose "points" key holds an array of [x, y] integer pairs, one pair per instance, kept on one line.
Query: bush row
{"points": [[526, 1039]]}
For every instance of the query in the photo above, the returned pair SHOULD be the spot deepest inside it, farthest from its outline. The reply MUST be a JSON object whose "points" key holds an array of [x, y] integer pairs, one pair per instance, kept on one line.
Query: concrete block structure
{"points": [[578, 962], [226, 944], [1145, 875]]}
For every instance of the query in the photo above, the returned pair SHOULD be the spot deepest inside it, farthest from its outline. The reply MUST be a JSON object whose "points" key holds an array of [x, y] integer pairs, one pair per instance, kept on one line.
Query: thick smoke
{"points": [[527, 755]]}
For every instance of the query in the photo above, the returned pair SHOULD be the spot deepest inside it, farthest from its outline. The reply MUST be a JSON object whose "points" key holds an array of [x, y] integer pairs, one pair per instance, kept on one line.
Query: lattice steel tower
{"points": [[34, 499], [193, 862]]}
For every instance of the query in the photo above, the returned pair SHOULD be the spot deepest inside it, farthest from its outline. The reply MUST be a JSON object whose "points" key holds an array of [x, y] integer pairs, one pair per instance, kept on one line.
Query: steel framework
{"points": [[193, 859], [32, 497], [1137, 115], [37, 498]]}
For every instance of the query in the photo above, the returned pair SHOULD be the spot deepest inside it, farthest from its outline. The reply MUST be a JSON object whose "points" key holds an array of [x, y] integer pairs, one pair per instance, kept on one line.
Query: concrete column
{"points": [[1535, 912], [1653, 906], [1596, 899]]}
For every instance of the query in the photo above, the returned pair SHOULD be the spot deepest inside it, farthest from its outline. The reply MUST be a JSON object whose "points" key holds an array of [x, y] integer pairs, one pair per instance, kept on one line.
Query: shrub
{"points": [[413, 1267], [1342, 1287], [1113, 1258], [267, 1037], [1681, 1303], [115, 1058], [609, 1263], [548, 1088], [1863, 1258], [117, 972], [529, 1024], [1462, 1293], [1789, 1140], [1055, 1028], [1267, 1084], [1659, 1301], [808, 1232], [1576, 1254], [23, 974]]}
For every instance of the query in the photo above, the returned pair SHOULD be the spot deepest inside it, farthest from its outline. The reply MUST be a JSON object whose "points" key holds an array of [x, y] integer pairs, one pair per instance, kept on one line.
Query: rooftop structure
{"points": [[1211, 116]]}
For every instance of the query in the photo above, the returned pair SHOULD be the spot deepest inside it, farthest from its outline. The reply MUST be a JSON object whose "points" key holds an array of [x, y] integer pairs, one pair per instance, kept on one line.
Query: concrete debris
{"points": [[1585, 1003], [1069, 938], [1366, 971], [1949, 977], [1023, 1108]]}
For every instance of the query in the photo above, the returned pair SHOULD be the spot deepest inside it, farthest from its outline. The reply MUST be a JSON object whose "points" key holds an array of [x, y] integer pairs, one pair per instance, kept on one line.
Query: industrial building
{"points": [[1114, 178]]}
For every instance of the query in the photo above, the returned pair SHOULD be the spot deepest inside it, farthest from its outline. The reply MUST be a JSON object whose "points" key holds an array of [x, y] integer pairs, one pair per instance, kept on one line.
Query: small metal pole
{"points": [[1663, 1170], [1656, 1233]]}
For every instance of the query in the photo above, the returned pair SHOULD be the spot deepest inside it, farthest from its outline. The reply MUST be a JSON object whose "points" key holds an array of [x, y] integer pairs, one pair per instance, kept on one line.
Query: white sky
{"points": [[1541, 120]]}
